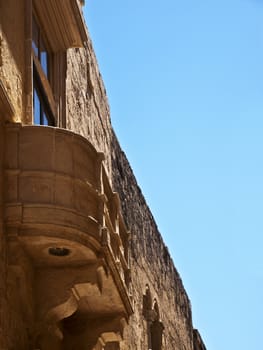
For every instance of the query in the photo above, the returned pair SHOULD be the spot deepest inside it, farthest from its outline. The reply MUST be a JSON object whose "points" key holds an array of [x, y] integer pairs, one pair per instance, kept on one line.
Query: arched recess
{"points": [[155, 327]]}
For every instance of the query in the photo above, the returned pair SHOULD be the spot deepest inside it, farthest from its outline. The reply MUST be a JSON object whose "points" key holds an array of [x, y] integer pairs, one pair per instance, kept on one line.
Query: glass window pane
{"points": [[45, 119], [37, 108], [39, 47], [43, 57], [44, 61], [42, 115]]}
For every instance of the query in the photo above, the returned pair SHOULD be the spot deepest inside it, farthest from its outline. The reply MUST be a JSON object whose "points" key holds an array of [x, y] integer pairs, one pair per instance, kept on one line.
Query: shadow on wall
{"points": [[152, 316]]}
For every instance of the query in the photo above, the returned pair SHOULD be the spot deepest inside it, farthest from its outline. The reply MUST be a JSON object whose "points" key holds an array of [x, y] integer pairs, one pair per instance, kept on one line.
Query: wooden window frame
{"points": [[63, 26], [42, 80], [43, 101]]}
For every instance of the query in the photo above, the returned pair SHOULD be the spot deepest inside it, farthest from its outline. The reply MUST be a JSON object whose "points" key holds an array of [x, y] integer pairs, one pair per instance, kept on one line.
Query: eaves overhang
{"points": [[63, 23]]}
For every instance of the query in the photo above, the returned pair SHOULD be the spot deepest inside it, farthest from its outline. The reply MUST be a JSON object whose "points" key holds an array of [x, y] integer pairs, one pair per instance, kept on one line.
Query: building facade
{"points": [[82, 264]]}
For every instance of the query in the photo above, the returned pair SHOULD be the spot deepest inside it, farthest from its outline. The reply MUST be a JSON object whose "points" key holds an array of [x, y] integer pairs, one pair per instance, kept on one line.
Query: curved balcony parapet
{"points": [[51, 149], [55, 176], [57, 187]]}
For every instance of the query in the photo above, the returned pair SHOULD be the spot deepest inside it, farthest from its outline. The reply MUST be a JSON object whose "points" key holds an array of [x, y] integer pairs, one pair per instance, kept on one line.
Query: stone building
{"points": [[82, 264]]}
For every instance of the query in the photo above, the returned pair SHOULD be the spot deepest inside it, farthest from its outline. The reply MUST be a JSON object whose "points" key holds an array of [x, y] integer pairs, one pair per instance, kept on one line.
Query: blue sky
{"points": [[185, 86]]}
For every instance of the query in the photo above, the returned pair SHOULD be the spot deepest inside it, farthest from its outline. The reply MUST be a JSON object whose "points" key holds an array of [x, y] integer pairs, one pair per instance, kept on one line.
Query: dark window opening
{"points": [[156, 331], [43, 101], [42, 112], [154, 325], [39, 48]]}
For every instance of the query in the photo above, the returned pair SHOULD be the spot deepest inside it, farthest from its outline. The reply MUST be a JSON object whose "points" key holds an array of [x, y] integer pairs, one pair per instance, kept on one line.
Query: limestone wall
{"points": [[87, 113], [13, 325], [87, 109], [12, 53], [3, 304], [16, 281], [151, 264]]}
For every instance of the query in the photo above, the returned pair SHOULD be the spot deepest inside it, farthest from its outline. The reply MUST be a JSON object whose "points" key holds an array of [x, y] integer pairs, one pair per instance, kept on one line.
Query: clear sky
{"points": [[185, 85]]}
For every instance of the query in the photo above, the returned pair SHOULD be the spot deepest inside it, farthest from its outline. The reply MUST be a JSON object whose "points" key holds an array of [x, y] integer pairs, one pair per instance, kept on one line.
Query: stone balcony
{"points": [[61, 211]]}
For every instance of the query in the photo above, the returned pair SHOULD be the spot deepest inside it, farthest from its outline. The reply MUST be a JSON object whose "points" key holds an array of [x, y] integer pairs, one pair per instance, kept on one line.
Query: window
{"points": [[55, 27], [39, 47], [42, 114], [154, 325], [43, 101]]}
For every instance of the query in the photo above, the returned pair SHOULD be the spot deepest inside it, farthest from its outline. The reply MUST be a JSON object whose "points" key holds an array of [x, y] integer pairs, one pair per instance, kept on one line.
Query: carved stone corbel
{"points": [[48, 334], [108, 341]]}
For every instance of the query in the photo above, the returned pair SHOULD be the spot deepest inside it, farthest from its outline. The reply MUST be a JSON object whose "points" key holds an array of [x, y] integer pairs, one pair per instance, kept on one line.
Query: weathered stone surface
{"points": [[3, 262], [87, 105], [12, 53], [151, 263], [197, 340], [70, 274]]}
